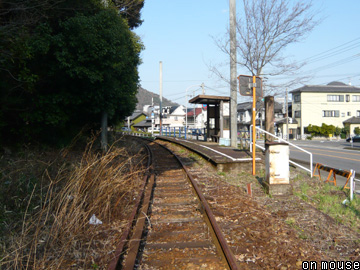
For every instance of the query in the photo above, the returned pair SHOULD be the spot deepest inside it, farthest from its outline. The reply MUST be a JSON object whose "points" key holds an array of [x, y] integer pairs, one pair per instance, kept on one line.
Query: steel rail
{"points": [[119, 251], [220, 238]]}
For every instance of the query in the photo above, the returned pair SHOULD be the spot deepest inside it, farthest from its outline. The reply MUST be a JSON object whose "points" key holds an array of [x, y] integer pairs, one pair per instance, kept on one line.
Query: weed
{"points": [[290, 221], [94, 266], [329, 199], [104, 185], [194, 156]]}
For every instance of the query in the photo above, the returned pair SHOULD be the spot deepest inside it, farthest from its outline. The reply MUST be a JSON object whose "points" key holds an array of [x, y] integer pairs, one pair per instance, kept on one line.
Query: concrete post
{"points": [[233, 76]]}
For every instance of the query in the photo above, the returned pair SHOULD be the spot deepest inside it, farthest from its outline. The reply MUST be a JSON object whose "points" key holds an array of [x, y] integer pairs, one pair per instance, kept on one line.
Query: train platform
{"points": [[224, 158]]}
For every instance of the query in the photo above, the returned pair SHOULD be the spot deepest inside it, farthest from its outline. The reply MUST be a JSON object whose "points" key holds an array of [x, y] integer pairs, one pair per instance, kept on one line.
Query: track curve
{"points": [[175, 228]]}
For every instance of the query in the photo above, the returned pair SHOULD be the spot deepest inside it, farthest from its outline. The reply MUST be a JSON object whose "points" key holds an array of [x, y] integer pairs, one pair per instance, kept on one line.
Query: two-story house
{"points": [[244, 114], [175, 117], [331, 104], [196, 117]]}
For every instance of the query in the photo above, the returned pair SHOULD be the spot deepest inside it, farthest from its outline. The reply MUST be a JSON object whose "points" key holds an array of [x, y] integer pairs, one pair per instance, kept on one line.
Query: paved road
{"points": [[336, 154]]}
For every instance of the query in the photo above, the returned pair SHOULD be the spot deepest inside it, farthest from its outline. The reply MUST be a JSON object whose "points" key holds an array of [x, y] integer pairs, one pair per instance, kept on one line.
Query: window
{"points": [[297, 114], [335, 98], [297, 98], [331, 113], [356, 98], [348, 113], [347, 98], [241, 117], [357, 113]]}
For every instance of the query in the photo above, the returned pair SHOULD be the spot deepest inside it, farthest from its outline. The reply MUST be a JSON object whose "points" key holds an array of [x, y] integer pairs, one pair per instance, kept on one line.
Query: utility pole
{"points": [[161, 86], [233, 79], [202, 87], [104, 138], [152, 117], [287, 115]]}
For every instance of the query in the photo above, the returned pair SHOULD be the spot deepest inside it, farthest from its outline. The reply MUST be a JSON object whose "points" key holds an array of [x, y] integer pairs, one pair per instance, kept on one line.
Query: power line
{"points": [[332, 52], [337, 63]]}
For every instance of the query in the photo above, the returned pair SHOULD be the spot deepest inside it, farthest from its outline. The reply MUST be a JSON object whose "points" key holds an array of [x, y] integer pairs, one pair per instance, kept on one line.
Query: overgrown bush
{"points": [[323, 131], [55, 232], [357, 131]]}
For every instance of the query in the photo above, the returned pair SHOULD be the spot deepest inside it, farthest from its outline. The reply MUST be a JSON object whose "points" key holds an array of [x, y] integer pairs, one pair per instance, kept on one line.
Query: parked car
{"points": [[125, 129], [354, 139], [156, 129], [195, 132]]}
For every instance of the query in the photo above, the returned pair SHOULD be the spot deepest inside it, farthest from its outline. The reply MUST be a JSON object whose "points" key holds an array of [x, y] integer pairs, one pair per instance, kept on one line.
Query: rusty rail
{"points": [[221, 241], [131, 246], [119, 252]]}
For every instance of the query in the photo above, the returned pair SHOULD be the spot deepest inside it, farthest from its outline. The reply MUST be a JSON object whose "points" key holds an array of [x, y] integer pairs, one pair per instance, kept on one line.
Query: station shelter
{"points": [[218, 115]]}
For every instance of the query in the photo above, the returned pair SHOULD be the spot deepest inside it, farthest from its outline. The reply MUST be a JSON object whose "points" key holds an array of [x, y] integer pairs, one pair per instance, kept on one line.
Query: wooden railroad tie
{"points": [[332, 172]]}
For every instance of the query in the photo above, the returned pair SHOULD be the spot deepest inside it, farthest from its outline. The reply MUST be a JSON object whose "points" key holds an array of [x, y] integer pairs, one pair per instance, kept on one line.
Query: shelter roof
{"points": [[205, 99]]}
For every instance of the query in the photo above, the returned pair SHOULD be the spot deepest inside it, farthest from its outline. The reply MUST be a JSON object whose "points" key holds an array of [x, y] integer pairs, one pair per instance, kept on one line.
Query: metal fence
{"points": [[353, 185], [310, 170]]}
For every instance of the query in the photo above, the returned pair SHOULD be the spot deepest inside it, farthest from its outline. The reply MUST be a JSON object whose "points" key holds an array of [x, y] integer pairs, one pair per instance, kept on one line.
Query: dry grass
{"points": [[58, 235]]}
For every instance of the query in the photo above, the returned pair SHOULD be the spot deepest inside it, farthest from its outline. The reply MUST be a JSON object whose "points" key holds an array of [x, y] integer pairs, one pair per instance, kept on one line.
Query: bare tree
{"points": [[264, 30]]}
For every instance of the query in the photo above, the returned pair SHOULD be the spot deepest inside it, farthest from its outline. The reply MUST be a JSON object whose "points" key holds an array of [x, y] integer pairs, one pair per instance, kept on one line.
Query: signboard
{"points": [[246, 85]]}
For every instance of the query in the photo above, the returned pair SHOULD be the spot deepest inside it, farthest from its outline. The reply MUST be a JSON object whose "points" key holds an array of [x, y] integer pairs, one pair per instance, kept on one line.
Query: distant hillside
{"points": [[144, 98]]}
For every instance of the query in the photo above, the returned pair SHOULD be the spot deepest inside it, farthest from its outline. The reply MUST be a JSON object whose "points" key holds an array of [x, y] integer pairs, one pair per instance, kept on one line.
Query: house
{"points": [[196, 117], [331, 104], [143, 125], [352, 123], [244, 114], [173, 117], [285, 126], [136, 117]]}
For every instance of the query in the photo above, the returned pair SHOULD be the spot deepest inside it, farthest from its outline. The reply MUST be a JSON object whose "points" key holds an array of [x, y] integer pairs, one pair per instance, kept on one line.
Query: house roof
{"points": [[144, 123], [333, 87], [259, 104], [197, 111], [283, 121], [136, 114], [352, 120], [173, 108]]}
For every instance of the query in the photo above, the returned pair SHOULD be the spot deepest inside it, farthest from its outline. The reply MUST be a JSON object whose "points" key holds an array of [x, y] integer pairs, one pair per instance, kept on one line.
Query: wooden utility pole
{"points": [[253, 127], [161, 86], [287, 115], [104, 139], [269, 118], [233, 76]]}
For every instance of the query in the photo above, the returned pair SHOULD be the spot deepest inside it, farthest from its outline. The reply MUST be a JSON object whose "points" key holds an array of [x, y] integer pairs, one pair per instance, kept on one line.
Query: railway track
{"points": [[174, 228]]}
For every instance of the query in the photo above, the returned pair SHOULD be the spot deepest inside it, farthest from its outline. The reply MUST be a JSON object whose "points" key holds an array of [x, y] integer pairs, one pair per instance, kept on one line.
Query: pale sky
{"points": [[180, 34]]}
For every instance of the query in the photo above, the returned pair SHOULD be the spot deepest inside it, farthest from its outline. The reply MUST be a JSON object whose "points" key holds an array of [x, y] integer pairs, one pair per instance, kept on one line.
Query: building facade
{"points": [[330, 104]]}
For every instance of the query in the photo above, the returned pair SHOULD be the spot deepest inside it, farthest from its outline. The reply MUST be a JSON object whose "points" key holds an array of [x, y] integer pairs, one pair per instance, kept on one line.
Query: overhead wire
{"points": [[333, 51]]}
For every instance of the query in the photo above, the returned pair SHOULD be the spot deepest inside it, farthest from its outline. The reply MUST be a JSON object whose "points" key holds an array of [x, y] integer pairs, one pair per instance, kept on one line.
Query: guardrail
{"points": [[281, 140], [183, 132]]}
